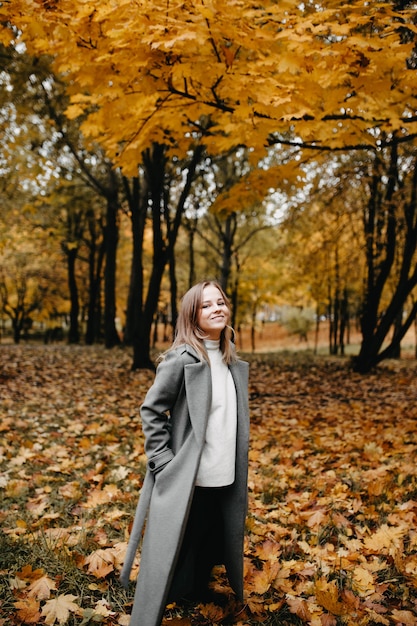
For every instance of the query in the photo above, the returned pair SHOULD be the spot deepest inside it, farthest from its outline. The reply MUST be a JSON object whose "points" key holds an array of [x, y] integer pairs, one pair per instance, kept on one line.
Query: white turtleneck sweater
{"points": [[217, 465]]}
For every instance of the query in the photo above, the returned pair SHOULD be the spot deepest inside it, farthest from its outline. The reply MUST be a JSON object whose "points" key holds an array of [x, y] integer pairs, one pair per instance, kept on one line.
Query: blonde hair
{"points": [[187, 330]]}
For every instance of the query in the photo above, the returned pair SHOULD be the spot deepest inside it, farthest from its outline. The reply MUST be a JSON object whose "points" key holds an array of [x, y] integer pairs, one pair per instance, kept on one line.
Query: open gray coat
{"points": [[174, 417]]}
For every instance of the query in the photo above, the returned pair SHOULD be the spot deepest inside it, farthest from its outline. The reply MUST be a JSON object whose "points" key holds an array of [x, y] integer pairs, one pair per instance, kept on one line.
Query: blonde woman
{"points": [[195, 420]]}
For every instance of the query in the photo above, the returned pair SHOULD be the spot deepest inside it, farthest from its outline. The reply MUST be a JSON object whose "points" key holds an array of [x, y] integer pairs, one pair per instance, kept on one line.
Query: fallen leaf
{"points": [[327, 595], [403, 617], [59, 609], [28, 611], [299, 607], [363, 581], [41, 588], [100, 563]]}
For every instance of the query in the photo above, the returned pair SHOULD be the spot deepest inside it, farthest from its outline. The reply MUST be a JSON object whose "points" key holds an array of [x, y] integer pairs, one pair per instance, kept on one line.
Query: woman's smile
{"points": [[214, 313]]}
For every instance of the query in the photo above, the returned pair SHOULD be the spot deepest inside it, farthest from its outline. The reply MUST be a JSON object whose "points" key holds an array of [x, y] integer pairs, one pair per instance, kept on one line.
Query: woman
{"points": [[196, 424]]}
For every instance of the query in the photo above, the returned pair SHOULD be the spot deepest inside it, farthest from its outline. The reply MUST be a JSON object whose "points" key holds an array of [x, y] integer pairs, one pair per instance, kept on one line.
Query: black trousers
{"points": [[203, 543]]}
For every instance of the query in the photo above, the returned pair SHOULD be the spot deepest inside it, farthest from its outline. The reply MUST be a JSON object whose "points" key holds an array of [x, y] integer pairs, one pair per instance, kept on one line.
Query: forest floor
{"points": [[331, 531]]}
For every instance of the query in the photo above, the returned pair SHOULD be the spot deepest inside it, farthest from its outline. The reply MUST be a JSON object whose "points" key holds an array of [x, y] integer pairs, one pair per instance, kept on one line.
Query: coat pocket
{"points": [[158, 461]]}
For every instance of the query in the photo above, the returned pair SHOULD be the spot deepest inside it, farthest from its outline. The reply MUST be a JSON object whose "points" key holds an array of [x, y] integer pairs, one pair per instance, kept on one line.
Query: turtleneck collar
{"points": [[212, 344]]}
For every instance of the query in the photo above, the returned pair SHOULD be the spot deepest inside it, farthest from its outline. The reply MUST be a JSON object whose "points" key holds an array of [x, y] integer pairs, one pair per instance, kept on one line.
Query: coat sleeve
{"points": [[155, 411]]}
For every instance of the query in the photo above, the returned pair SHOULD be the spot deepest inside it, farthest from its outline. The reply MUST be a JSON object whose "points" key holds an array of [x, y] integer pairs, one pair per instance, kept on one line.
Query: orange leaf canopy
{"points": [[235, 71]]}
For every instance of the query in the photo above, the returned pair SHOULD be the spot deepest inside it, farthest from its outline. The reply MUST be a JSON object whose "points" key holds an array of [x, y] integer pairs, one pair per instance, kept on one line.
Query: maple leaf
{"points": [[377, 618], [260, 580], [213, 613], [363, 581], [71, 490], [268, 550], [327, 595], [315, 517], [102, 608], [405, 618], [255, 605], [299, 607], [59, 609], [100, 563], [28, 573], [385, 538], [102, 496], [28, 611], [41, 588], [118, 552]]}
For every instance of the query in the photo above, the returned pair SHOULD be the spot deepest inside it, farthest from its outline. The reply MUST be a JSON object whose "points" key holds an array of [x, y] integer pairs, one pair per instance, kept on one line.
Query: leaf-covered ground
{"points": [[332, 528]]}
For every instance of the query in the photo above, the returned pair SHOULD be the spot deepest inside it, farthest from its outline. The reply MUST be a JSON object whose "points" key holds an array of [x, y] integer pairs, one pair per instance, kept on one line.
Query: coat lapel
{"points": [[198, 393], [240, 373]]}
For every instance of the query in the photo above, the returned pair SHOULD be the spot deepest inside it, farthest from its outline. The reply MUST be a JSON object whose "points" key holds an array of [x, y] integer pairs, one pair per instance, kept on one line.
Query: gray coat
{"points": [[174, 417]]}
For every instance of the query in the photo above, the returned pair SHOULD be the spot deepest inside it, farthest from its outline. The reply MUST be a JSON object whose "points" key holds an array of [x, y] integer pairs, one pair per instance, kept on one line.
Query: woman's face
{"points": [[214, 313]]}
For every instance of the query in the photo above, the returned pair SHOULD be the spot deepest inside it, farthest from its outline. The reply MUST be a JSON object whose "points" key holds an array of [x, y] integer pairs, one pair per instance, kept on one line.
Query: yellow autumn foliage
{"points": [[327, 73]]}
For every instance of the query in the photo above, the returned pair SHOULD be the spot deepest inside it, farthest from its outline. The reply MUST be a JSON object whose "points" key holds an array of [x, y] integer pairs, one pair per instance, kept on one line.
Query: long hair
{"points": [[187, 330]]}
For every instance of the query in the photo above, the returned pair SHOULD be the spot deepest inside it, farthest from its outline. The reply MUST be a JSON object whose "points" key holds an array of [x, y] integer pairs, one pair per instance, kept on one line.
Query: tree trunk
{"points": [[235, 291], [227, 238], [174, 288], [163, 246], [344, 315], [252, 329], [95, 265], [17, 323], [192, 229], [154, 164], [415, 337], [73, 333], [381, 252], [395, 352], [111, 336], [317, 330], [142, 345], [137, 196]]}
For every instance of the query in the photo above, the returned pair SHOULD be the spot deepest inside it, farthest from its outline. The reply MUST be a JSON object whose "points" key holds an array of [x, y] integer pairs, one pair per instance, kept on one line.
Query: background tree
{"points": [[57, 143], [30, 280], [167, 205], [323, 247], [390, 225]]}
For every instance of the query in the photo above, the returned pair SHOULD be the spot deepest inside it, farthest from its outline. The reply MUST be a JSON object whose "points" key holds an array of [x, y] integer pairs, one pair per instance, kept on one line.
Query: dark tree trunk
{"points": [[252, 329], [383, 244], [415, 337], [235, 291], [142, 345], [344, 308], [174, 288], [95, 266], [192, 229], [111, 336], [317, 330], [73, 333], [17, 324], [228, 235], [395, 352], [137, 197], [163, 245], [90, 334]]}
